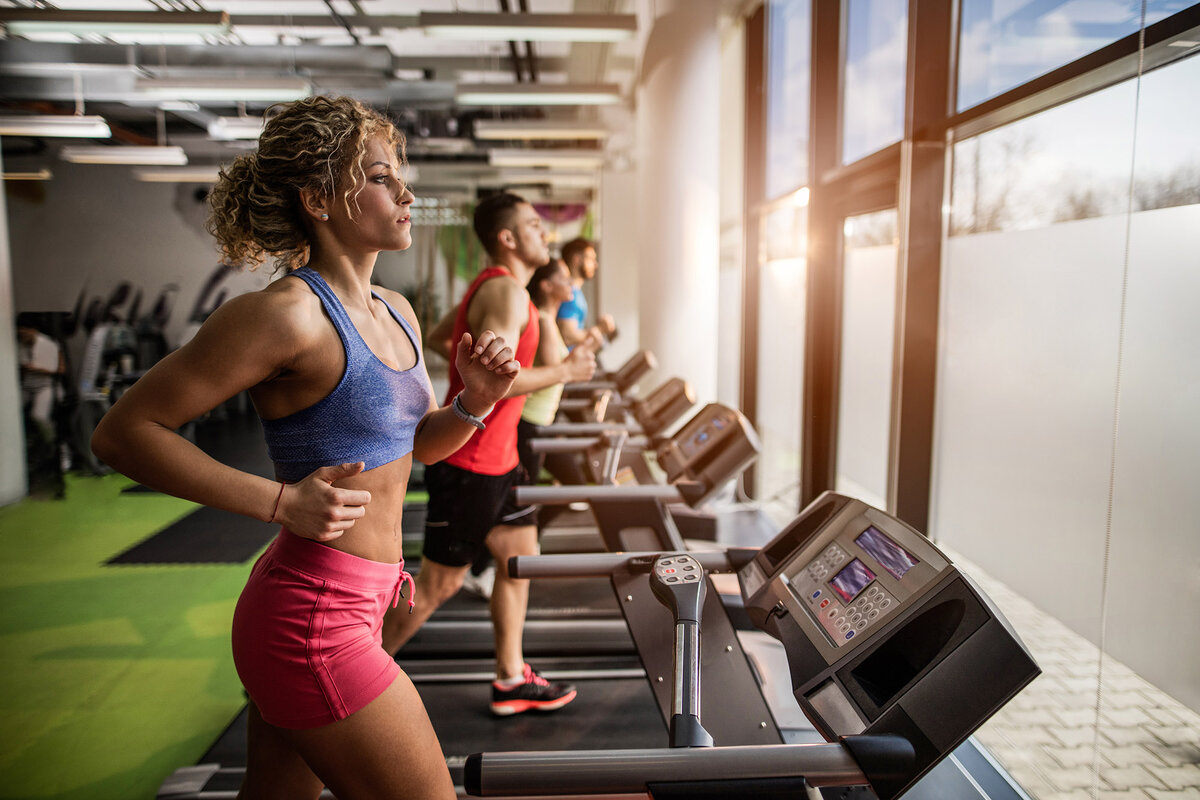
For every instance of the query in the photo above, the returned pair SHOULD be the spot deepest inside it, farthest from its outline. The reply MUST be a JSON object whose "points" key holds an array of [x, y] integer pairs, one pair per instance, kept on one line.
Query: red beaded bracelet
{"points": [[277, 499]]}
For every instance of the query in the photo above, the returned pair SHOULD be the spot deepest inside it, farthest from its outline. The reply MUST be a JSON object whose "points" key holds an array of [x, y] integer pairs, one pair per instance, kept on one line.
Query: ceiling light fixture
{"points": [[54, 125], [529, 27], [537, 129], [151, 156], [267, 90], [526, 94], [23, 21], [228, 128], [196, 174], [560, 159]]}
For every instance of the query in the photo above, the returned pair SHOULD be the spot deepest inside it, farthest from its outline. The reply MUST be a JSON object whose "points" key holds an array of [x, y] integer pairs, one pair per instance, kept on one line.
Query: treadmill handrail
{"points": [[561, 495], [585, 565], [614, 771], [584, 428], [579, 444], [591, 386]]}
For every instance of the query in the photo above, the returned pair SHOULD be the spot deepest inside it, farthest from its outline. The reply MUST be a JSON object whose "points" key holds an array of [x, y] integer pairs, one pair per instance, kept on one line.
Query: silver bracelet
{"points": [[464, 415]]}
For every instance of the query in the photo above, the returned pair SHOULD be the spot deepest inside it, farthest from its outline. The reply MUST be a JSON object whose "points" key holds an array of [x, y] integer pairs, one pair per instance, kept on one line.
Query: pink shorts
{"points": [[306, 632]]}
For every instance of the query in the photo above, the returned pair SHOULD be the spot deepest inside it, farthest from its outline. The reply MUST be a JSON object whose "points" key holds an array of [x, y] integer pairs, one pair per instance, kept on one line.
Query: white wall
{"points": [[678, 208], [617, 279], [12, 433]]}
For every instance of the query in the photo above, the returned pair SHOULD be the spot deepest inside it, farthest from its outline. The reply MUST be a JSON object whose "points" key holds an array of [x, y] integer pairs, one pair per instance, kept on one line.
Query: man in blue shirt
{"points": [[580, 256]]}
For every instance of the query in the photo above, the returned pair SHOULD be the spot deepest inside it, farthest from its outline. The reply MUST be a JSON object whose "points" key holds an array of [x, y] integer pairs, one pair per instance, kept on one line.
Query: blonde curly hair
{"points": [[316, 144]]}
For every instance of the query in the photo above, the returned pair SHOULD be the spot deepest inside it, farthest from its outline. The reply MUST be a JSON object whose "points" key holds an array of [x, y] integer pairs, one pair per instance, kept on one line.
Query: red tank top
{"points": [[492, 451]]}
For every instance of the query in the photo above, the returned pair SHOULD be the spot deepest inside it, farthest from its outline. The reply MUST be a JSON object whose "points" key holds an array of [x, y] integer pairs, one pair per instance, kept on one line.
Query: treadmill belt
{"points": [[569, 598], [206, 536], [608, 714]]}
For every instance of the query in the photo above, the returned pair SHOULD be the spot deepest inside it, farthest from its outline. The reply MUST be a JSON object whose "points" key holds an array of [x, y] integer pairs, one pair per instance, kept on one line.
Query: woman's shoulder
{"points": [[284, 307]]}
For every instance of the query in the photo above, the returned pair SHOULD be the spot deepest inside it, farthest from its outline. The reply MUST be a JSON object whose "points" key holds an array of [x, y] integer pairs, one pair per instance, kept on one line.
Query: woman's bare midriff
{"points": [[376, 536]]}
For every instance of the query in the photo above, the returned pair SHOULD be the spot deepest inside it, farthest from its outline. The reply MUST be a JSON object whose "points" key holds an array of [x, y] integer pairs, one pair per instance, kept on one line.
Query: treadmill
{"points": [[893, 653]]}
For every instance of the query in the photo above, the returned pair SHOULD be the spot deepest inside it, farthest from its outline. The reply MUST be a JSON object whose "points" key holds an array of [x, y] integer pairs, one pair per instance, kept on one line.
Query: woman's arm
{"points": [[550, 343], [487, 368], [248, 340]]}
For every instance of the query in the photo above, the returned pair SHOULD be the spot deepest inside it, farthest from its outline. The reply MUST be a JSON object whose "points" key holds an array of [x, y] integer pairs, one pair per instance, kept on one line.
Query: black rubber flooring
{"points": [[206, 536]]}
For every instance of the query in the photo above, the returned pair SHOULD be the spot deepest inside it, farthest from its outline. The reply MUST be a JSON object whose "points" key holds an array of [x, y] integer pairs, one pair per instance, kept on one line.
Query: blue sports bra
{"points": [[370, 416]]}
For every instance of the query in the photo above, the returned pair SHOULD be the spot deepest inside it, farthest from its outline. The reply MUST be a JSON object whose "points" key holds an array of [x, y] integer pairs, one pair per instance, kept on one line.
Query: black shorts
{"points": [[464, 506], [531, 461]]}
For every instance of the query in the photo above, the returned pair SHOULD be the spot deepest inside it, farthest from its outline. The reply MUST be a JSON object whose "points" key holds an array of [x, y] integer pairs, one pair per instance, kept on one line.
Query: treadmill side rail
{"points": [[614, 771]]}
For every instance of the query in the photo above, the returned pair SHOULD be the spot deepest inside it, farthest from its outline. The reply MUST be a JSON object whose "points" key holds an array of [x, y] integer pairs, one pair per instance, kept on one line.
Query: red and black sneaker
{"points": [[535, 693]]}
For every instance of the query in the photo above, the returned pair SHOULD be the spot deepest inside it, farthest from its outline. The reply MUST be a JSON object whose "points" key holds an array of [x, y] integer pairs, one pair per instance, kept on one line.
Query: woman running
{"points": [[334, 368]]}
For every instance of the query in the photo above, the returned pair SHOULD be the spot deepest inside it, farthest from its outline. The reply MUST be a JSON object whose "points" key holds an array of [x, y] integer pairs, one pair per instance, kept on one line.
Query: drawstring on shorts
{"points": [[403, 579]]}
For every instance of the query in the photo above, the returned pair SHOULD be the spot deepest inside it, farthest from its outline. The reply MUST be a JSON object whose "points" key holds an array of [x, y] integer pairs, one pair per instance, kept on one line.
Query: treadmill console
{"points": [[707, 451], [640, 363], [883, 634], [663, 406]]}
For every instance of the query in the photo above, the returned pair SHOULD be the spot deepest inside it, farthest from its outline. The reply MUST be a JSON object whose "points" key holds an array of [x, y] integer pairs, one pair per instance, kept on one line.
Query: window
{"points": [[874, 60]]}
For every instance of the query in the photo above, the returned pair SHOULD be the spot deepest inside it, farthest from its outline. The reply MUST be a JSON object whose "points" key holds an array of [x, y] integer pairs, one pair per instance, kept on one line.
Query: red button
{"points": [[824, 603], [669, 570]]}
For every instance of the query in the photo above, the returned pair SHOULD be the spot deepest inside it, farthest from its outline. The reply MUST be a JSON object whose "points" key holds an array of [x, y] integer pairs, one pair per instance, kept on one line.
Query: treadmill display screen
{"points": [[853, 578], [690, 447], [890, 555]]}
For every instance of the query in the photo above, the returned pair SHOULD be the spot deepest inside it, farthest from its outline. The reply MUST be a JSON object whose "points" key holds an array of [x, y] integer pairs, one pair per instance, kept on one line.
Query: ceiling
{"points": [[374, 50]]}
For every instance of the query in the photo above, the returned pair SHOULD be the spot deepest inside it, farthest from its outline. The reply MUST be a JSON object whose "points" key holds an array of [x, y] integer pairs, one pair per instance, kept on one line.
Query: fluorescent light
{"points": [[40, 175], [537, 129], [124, 155], [60, 125], [562, 159], [525, 94], [225, 128], [23, 21], [177, 105], [232, 90], [198, 174], [529, 27]]}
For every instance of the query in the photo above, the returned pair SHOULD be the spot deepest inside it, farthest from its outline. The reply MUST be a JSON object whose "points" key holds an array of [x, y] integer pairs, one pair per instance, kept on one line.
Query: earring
{"points": [[324, 217]]}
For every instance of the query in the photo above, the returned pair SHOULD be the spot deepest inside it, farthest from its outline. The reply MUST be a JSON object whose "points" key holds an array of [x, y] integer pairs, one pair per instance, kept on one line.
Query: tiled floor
{"points": [[1145, 747]]}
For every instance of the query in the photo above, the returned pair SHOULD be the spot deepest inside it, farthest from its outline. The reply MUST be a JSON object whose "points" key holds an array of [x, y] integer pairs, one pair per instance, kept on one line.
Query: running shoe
{"points": [[481, 585], [535, 693]]}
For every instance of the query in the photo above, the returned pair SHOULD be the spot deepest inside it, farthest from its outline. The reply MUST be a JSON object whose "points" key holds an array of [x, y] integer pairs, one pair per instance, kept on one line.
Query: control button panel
{"points": [[678, 569], [842, 618]]}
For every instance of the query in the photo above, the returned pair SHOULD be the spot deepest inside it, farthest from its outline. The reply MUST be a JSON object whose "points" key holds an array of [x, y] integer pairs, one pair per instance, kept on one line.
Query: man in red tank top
{"points": [[470, 507]]}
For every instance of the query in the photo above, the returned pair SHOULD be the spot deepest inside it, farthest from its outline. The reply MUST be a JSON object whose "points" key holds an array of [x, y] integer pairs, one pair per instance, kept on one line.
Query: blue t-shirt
{"points": [[576, 308]]}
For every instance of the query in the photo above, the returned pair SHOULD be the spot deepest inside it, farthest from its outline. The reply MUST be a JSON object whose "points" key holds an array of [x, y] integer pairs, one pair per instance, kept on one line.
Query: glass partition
{"points": [[868, 340], [1066, 427], [782, 297]]}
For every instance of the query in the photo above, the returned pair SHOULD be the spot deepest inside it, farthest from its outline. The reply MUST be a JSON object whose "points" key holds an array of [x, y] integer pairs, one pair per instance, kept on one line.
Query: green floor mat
{"points": [[110, 679]]}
